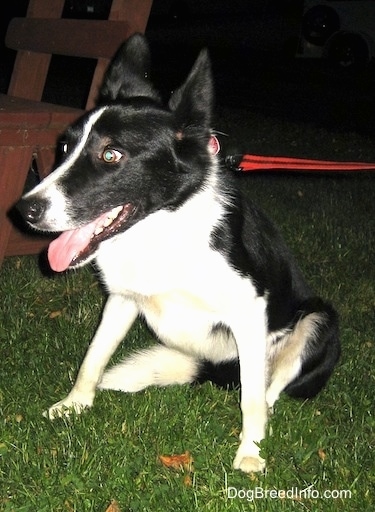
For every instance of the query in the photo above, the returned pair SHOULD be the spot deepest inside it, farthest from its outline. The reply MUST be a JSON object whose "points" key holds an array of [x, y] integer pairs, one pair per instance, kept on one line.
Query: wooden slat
{"points": [[136, 13], [30, 69], [26, 243], [15, 161], [13, 105], [74, 38], [17, 115], [45, 8]]}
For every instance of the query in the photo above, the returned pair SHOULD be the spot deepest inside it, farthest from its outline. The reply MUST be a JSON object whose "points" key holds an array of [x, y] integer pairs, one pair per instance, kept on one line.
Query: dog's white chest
{"points": [[149, 263], [181, 286], [165, 251], [186, 323]]}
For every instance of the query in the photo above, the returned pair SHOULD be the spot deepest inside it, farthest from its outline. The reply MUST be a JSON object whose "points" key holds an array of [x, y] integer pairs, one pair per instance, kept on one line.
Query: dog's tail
{"points": [[155, 366], [163, 366], [225, 374]]}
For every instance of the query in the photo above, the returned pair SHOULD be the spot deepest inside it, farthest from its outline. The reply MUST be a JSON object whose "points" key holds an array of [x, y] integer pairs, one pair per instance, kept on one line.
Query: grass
{"points": [[111, 452]]}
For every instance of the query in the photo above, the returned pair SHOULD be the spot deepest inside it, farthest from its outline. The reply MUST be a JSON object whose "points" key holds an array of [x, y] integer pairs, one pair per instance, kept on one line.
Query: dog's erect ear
{"points": [[128, 73], [192, 102]]}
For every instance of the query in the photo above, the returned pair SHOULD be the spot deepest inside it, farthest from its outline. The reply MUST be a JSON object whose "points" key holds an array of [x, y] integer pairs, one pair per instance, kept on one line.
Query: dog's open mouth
{"points": [[77, 245]]}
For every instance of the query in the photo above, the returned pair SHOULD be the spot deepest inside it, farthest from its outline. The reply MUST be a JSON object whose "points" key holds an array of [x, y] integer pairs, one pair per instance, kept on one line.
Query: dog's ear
{"points": [[128, 73], [192, 102]]}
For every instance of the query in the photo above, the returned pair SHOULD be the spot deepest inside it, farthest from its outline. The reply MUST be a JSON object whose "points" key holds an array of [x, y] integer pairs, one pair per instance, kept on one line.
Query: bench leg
{"points": [[45, 159], [15, 163]]}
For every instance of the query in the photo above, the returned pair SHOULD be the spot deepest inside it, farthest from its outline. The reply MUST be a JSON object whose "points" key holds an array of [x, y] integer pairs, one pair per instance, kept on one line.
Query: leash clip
{"points": [[233, 163]]}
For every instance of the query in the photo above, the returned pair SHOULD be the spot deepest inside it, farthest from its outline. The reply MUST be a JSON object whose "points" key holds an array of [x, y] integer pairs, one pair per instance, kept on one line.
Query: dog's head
{"points": [[125, 159]]}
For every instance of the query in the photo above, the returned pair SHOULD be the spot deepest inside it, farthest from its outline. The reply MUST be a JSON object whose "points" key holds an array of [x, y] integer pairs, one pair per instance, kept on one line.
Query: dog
{"points": [[140, 189]]}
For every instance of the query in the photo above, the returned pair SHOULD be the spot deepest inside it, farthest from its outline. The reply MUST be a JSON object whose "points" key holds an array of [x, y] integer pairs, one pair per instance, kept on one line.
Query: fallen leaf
{"points": [[113, 507], [322, 454], [253, 477], [180, 462], [187, 480], [68, 506], [55, 314]]}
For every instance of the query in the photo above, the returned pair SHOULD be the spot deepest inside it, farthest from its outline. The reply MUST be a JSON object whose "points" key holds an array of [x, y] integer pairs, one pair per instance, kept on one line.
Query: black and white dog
{"points": [[141, 190]]}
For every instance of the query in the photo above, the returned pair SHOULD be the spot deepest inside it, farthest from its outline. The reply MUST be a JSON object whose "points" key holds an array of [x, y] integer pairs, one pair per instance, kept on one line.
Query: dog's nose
{"points": [[31, 209]]}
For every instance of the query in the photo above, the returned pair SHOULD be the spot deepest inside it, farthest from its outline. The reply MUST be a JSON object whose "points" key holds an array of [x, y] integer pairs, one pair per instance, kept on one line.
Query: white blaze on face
{"points": [[56, 216]]}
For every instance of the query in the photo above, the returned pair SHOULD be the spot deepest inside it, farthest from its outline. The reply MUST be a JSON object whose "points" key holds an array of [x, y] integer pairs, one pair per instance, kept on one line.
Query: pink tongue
{"points": [[69, 244]]}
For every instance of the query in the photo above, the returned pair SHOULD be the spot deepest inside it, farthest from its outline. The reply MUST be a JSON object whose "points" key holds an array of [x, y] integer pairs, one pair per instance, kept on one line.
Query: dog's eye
{"points": [[111, 156], [64, 147]]}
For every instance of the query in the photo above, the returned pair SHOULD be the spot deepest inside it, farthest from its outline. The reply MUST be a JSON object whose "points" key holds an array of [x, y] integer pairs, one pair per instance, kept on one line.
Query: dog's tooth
{"points": [[107, 222], [112, 215], [116, 211]]}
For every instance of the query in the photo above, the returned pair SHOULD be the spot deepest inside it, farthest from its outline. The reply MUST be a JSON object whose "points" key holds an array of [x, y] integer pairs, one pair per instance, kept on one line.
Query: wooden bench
{"points": [[29, 128]]}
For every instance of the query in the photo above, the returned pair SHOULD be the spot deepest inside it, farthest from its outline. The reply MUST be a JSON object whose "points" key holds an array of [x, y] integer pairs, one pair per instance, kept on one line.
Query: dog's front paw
{"points": [[249, 460], [67, 406]]}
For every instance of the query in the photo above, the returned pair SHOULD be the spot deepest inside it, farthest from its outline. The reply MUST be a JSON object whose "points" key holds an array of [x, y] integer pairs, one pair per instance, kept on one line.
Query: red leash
{"points": [[245, 163]]}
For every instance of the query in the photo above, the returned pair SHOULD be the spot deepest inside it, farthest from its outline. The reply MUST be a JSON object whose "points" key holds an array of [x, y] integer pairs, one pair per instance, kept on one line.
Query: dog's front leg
{"points": [[118, 315], [251, 345]]}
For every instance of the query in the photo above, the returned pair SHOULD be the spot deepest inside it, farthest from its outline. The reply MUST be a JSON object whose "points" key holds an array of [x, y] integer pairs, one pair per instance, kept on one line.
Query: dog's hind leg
{"points": [[321, 353], [118, 316], [286, 357], [302, 362], [155, 366]]}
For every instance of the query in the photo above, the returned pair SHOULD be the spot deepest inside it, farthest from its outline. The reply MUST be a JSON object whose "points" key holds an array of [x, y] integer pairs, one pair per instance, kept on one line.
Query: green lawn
{"points": [[111, 452]]}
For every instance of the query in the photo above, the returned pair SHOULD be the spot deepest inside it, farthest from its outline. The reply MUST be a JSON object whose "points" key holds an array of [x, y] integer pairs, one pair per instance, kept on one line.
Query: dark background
{"points": [[253, 46]]}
